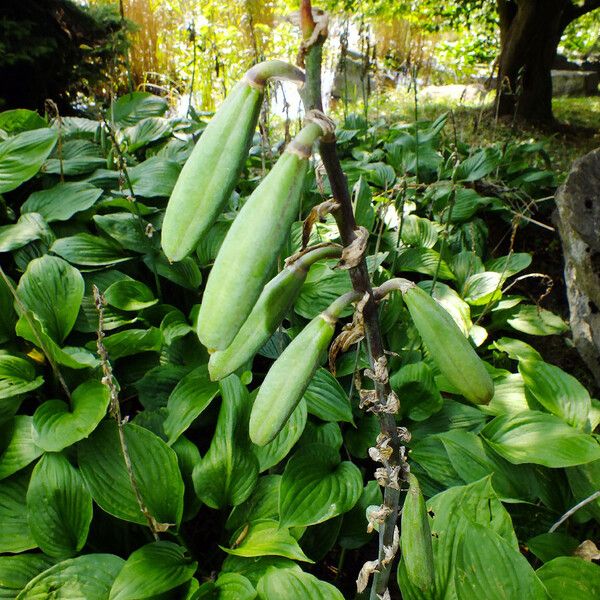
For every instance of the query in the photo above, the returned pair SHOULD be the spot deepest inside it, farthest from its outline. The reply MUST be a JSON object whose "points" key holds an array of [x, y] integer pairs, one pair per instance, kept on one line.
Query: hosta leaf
{"points": [[322, 286], [509, 396], [228, 472], [187, 401], [22, 156], [15, 535], [509, 265], [326, 399], [184, 273], [29, 227], [146, 131], [481, 288], [511, 576], [18, 447], [229, 586], [290, 583], [329, 434], [88, 576], [363, 208], [418, 232], [536, 321], [151, 570], [132, 341], [263, 503], [62, 201], [570, 578], [17, 376], [52, 289], [154, 467], [266, 538], [548, 546], [415, 385], [541, 439], [188, 456], [131, 108], [89, 250], [557, 391], [128, 230], [583, 481], [154, 177], [17, 571], [129, 294], [353, 533], [316, 486], [417, 551], [277, 449], [155, 387], [59, 506], [254, 568], [517, 349], [57, 426], [479, 164], [21, 119], [423, 260]]}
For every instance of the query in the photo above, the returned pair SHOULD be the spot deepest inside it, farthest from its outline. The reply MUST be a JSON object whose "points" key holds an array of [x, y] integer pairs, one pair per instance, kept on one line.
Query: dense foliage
{"points": [[87, 378]]}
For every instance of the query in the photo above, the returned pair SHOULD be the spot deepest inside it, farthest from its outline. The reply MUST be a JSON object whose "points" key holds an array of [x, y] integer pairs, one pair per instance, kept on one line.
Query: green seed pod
{"points": [[250, 249], [448, 347], [271, 307], [291, 373], [212, 170], [415, 541]]}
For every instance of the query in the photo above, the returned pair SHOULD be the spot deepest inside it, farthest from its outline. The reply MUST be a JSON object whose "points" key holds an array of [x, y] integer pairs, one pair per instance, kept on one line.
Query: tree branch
{"points": [[575, 11]]}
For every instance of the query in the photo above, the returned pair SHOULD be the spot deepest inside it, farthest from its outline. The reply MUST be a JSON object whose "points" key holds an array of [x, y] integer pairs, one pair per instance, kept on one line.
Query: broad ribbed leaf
{"points": [[131, 108], [184, 273], [487, 566], [423, 260], [536, 321], [583, 481], [187, 401], [52, 289], [56, 426], [16, 437], [316, 486], [329, 434], [419, 232], [265, 538], [263, 503], [548, 546], [481, 288], [228, 472], [132, 341], [570, 578], [322, 286], [146, 131], [154, 467], [233, 586], [20, 119], [15, 535], [89, 250], [127, 230], [59, 506], [517, 349], [29, 227], [353, 533], [129, 294], [62, 201], [85, 577], [17, 571], [557, 391], [17, 376], [151, 570], [417, 551], [277, 449], [509, 265], [415, 385], [326, 399], [539, 438], [509, 396], [154, 177], [290, 583], [254, 568], [22, 156]]}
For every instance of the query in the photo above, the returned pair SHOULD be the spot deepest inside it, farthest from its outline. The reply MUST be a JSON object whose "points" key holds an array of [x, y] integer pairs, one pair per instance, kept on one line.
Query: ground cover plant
{"points": [[134, 464]]}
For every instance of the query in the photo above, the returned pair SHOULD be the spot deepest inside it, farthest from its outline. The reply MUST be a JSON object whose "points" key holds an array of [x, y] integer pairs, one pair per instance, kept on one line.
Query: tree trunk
{"points": [[530, 31]]}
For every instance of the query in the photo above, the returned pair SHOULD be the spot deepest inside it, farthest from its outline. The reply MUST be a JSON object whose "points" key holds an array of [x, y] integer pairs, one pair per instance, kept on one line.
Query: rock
{"points": [[574, 83], [578, 206], [470, 93]]}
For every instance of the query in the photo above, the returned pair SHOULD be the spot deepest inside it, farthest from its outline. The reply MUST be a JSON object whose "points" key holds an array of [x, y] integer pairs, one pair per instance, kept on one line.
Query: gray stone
{"points": [[578, 204], [574, 83]]}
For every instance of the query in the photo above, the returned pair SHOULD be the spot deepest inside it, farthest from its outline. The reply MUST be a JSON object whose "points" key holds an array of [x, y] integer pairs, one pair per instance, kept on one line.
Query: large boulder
{"points": [[578, 203], [574, 83]]}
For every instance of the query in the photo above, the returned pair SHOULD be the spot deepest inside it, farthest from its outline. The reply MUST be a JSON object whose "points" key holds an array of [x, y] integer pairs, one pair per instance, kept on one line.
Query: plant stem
{"points": [[573, 510], [359, 275]]}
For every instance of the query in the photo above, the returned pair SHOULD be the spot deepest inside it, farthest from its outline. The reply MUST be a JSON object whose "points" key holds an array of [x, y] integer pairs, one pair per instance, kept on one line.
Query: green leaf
{"points": [[263, 503], [154, 177], [415, 384], [15, 535], [511, 575], [517, 349], [583, 481], [322, 286], [536, 321], [62, 201], [417, 551], [57, 426], [423, 260], [570, 578], [316, 486], [154, 467], [419, 232], [132, 341], [228, 472], [17, 571], [290, 583], [89, 250], [329, 434], [19, 448], [129, 294], [151, 570], [146, 131], [541, 439], [155, 387], [127, 230], [135, 106], [22, 156], [28, 228], [52, 289], [184, 273], [548, 546], [509, 396], [276, 450], [481, 288], [188, 400], [21, 119], [363, 209], [17, 376], [229, 586], [353, 533], [8, 316], [479, 164], [89, 576], [326, 399], [509, 265], [557, 391], [266, 538], [59, 507]]}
